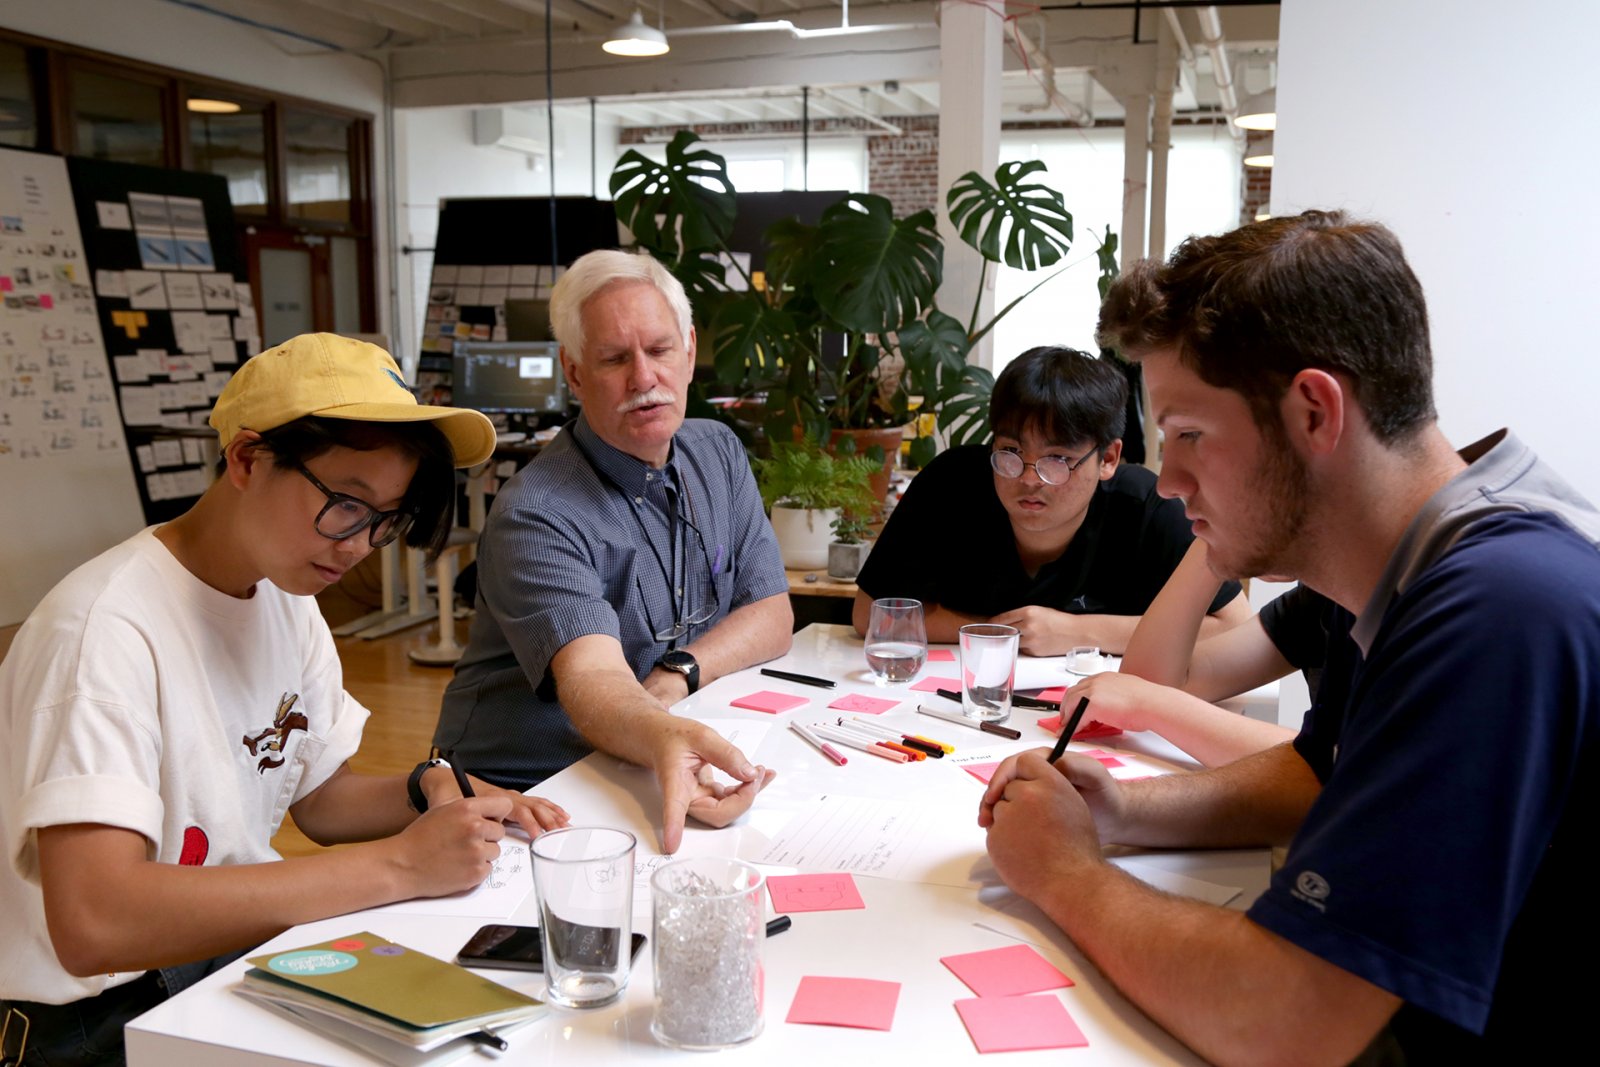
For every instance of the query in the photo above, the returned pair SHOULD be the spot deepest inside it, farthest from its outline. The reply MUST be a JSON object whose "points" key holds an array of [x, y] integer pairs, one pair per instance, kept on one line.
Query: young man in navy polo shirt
{"points": [[1437, 804]]}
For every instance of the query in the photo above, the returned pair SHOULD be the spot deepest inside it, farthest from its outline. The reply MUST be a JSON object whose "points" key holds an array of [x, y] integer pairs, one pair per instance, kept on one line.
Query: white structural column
{"points": [[1135, 176], [969, 139], [1161, 140]]}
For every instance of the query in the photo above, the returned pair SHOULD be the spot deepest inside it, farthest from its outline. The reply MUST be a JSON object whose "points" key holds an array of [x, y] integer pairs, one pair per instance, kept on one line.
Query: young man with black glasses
{"points": [[626, 566], [169, 700], [1045, 530]]}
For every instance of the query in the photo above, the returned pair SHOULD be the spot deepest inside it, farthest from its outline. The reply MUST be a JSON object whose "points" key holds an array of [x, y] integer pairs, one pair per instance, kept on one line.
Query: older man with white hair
{"points": [[626, 566]]}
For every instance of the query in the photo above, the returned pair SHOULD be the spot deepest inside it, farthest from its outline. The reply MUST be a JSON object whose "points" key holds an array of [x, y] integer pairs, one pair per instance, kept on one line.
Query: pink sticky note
{"points": [[1087, 731], [864, 704], [1016, 1024], [47, 301], [835, 891], [1106, 759], [1054, 694], [941, 655], [928, 685], [981, 771], [861, 1002], [767, 700], [5, 283], [1006, 972]]}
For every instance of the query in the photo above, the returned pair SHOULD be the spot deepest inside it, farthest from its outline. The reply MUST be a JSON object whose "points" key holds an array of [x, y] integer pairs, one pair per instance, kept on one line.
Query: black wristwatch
{"points": [[414, 794], [679, 660]]}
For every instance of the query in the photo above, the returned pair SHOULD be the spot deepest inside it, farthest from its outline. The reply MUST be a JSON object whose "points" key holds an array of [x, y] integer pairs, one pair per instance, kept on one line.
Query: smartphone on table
{"points": [[515, 948]]}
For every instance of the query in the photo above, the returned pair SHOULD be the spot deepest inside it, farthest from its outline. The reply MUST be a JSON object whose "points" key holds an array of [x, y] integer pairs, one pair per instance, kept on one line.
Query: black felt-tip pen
{"points": [[779, 925], [488, 1038], [461, 782], [1069, 728], [803, 679]]}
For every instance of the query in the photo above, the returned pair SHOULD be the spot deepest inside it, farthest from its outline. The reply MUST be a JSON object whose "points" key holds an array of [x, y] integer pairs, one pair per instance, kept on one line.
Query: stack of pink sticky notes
{"points": [[941, 655], [1003, 1017], [834, 891], [863, 704], [1086, 731], [767, 700]]}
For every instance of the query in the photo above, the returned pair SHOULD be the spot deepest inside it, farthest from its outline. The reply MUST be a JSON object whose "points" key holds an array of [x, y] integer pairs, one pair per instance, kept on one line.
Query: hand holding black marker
{"points": [[1069, 728]]}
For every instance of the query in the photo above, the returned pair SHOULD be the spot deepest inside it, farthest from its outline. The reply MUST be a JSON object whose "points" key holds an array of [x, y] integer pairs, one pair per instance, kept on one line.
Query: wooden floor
{"points": [[404, 701]]}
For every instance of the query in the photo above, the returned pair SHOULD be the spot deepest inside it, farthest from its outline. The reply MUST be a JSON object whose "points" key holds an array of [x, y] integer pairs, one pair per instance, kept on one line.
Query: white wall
{"points": [[436, 160], [1465, 126]]}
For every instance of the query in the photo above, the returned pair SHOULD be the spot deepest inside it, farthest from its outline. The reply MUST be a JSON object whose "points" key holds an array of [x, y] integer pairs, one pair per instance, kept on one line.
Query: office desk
{"points": [[900, 935]]}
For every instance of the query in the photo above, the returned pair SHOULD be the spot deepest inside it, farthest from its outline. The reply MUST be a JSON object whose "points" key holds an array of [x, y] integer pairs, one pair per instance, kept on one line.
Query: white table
{"points": [[900, 935]]}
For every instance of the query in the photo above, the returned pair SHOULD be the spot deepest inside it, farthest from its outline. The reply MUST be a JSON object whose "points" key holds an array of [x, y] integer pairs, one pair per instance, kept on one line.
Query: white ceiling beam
{"points": [[588, 15], [295, 10], [490, 11], [494, 72], [319, 23], [434, 13], [926, 100]]}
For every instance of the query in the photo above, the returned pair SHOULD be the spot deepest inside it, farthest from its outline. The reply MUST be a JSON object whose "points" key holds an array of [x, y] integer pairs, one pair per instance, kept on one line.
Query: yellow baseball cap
{"points": [[338, 378]]}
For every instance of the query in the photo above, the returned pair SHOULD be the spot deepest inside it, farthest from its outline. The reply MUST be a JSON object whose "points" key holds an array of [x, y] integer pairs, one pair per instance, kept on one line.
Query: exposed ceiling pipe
{"points": [[1044, 72], [1221, 71]]}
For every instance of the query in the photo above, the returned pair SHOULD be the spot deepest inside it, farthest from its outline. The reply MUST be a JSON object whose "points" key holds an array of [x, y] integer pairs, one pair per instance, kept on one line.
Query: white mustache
{"points": [[644, 400]]}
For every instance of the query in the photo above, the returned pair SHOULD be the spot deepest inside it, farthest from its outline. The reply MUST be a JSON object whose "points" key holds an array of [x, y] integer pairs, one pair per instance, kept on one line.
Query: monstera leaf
{"points": [[1021, 224], [876, 272], [964, 406], [792, 256], [752, 340], [683, 204], [1107, 252], [932, 348]]}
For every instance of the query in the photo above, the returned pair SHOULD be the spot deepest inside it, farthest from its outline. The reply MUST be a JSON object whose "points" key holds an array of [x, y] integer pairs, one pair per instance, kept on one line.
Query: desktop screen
{"points": [[514, 377]]}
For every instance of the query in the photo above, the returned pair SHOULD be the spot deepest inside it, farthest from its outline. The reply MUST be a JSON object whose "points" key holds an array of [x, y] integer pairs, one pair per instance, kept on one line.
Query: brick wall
{"points": [[906, 168], [1256, 194]]}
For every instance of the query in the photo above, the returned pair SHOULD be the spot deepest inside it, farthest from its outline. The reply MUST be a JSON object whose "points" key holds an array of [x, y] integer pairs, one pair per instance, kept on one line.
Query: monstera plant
{"points": [[860, 274]]}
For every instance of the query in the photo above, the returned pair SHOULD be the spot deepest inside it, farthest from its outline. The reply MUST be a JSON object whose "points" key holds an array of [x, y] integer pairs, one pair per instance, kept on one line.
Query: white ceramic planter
{"points": [[803, 536]]}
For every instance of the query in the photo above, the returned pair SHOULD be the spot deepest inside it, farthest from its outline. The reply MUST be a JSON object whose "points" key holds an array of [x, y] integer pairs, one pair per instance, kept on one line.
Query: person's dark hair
{"points": [[1066, 396], [1249, 310], [432, 492]]}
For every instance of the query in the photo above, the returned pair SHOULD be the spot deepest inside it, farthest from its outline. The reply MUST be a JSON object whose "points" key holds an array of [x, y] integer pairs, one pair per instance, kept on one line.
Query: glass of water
{"points": [[897, 641], [584, 878]]}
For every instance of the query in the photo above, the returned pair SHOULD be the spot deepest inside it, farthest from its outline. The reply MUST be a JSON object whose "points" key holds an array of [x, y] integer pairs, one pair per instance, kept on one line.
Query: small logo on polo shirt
{"points": [[1312, 888]]}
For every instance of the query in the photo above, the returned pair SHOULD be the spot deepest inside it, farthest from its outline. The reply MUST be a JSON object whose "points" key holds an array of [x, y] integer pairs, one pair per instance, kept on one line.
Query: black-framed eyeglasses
{"points": [[685, 616], [344, 516], [1052, 470]]}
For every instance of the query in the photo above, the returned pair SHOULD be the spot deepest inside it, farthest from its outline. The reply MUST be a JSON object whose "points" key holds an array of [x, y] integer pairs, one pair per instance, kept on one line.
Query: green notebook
{"points": [[389, 989]]}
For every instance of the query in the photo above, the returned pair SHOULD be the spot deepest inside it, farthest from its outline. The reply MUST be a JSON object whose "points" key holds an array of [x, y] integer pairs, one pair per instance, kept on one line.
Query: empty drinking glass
{"points": [[988, 669], [897, 642]]}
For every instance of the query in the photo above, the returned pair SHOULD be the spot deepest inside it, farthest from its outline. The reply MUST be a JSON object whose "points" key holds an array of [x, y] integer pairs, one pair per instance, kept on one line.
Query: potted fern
{"points": [[807, 491]]}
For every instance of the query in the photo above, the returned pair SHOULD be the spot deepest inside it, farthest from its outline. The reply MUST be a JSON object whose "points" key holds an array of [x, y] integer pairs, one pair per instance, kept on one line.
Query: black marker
{"points": [[488, 1038], [779, 925], [803, 679], [461, 782], [1068, 729]]}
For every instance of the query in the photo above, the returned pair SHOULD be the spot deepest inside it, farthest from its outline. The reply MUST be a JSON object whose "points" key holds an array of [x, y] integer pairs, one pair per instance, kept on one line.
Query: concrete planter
{"points": [[803, 536], [845, 561]]}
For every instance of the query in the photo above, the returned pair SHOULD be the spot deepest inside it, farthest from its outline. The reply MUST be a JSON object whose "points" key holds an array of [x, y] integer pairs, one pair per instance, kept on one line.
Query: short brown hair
{"points": [[1249, 310]]}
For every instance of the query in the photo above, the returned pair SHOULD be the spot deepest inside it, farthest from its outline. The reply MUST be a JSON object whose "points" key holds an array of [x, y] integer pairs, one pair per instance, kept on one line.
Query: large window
{"points": [[228, 136], [117, 117], [19, 111], [317, 165], [1086, 166]]}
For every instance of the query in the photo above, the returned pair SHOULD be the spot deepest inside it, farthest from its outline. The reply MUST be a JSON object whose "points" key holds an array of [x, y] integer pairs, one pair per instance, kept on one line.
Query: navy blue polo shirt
{"points": [[1455, 735]]}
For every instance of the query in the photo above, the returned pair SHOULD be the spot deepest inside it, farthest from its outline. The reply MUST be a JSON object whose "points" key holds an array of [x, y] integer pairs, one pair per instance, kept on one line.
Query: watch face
{"points": [[677, 660]]}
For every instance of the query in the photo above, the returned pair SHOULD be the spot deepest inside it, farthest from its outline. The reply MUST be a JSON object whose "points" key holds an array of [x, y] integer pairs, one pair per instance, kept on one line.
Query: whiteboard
{"points": [[66, 484]]}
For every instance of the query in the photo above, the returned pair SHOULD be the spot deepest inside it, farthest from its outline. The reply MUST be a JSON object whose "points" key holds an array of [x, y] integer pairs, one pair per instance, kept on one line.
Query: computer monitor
{"points": [[511, 377], [528, 320]]}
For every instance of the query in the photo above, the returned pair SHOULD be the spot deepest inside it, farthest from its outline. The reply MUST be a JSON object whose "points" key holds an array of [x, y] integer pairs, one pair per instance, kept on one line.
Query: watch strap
{"points": [[414, 794]]}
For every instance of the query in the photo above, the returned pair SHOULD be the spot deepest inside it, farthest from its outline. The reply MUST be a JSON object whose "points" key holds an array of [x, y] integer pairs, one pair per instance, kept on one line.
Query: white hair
{"points": [[591, 273]]}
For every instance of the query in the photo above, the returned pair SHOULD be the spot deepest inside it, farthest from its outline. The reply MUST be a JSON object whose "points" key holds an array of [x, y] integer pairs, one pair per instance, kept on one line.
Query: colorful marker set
{"points": [[870, 737], [821, 746]]}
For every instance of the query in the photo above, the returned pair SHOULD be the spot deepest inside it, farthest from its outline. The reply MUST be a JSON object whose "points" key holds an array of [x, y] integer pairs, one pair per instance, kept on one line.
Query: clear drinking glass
{"points": [[584, 878], [707, 952], [988, 669], [897, 641]]}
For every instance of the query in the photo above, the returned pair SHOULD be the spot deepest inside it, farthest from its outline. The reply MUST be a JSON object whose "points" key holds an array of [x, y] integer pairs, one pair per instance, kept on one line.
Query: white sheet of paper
{"points": [[1179, 884], [169, 451], [744, 734], [496, 897], [140, 407], [145, 290], [113, 216], [110, 283], [937, 842], [1045, 672]]}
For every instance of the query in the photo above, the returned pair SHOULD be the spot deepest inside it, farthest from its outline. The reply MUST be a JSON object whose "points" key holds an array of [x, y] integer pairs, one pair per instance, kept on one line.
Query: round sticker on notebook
{"points": [[311, 961], [348, 944], [388, 950]]}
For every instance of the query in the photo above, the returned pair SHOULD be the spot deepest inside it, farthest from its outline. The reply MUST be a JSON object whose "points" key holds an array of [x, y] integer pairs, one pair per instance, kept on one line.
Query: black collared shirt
{"points": [[949, 542]]}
